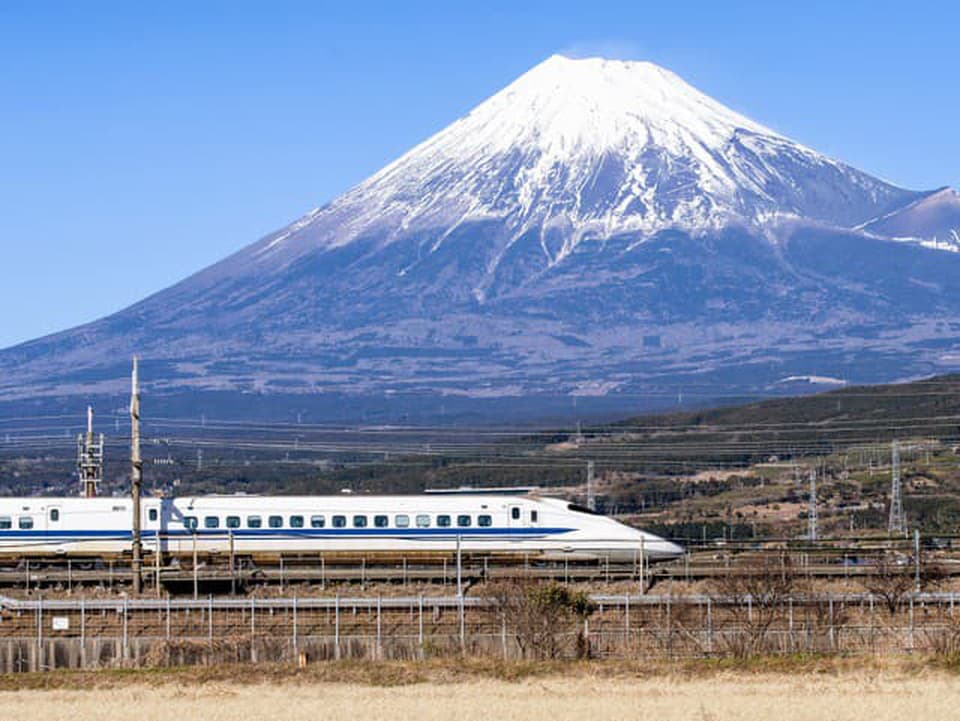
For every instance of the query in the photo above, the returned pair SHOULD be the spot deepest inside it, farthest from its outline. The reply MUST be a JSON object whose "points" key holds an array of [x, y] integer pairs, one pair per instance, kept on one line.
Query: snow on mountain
{"points": [[595, 147], [933, 220], [595, 230]]}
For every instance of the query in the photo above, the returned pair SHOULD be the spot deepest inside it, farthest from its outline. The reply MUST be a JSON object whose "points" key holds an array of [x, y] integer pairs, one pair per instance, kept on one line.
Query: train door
{"points": [[54, 518], [151, 523], [514, 517]]}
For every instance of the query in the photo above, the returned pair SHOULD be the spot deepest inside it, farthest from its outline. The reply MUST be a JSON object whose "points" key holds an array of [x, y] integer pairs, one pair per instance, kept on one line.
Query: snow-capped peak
{"points": [[594, 105], [595, 147]]}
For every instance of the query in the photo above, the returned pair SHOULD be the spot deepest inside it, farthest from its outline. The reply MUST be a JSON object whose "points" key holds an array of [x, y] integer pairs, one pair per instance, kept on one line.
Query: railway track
{"points": [[216, 573]]}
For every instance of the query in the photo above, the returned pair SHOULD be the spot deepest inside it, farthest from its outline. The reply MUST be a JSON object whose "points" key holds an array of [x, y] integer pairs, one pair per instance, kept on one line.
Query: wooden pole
{"points": [[233, 575], [156, 563], [136, 477], [196, 580]]}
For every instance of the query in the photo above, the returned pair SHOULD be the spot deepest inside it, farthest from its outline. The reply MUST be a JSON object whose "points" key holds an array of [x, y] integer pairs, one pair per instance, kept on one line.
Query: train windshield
{"points": [[582, 509]]}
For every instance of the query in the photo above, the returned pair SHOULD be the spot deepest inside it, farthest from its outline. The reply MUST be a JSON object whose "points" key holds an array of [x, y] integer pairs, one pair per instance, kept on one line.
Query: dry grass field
{"points": [[872, 693]]}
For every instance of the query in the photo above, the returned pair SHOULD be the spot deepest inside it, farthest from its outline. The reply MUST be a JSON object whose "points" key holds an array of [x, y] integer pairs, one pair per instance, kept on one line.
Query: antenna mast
{"points": [[89, 459], [136, 476]]}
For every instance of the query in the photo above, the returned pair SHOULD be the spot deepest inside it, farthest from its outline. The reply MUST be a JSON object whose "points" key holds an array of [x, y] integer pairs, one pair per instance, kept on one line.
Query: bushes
{"points": [[546, 619]]}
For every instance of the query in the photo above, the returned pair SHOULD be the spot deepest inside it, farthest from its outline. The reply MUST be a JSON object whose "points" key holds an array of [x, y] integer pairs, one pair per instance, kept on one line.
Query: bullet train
{"points": [[344, 524]]}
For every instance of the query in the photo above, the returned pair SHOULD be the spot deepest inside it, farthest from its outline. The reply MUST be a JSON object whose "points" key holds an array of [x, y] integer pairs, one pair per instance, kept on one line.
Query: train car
{"points": [[345, 524]]}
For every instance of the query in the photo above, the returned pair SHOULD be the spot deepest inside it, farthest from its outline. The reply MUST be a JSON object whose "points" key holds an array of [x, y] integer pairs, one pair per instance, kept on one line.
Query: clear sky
{"points": [[142, 141]]}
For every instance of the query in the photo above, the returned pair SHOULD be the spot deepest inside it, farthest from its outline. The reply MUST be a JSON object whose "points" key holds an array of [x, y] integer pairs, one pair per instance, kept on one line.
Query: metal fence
{"points": [[87, 633]]}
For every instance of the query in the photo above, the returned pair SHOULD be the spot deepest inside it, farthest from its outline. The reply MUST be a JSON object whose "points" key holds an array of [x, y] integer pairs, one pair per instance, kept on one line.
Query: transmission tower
{"points": [[897, 524], [812, 515], [89, 459]]}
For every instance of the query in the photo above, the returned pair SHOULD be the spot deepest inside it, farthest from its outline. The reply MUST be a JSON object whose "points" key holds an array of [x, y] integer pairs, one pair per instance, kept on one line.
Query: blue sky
{"points": [[140, 142]]}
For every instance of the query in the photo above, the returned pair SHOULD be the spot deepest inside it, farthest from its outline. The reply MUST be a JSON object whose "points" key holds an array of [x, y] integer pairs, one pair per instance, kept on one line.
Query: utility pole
{"points": [[591, 491], [89, 459], [896, 524], [136, 476], [812, 515]]}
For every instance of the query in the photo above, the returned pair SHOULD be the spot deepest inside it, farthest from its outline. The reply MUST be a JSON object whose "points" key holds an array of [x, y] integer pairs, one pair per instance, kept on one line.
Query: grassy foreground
{"points": [[804, 689]]}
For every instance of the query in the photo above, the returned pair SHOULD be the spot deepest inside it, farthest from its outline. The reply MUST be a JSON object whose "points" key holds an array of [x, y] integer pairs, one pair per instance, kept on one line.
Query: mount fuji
{"points": [[598, 232]]}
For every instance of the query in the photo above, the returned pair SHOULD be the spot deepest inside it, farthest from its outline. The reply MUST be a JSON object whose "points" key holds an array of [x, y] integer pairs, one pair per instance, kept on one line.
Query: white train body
{"points": [[347, 524]]}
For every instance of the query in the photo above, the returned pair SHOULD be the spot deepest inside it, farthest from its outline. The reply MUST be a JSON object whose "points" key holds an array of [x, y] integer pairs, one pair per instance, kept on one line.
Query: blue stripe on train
{"points": [[413, 533]]}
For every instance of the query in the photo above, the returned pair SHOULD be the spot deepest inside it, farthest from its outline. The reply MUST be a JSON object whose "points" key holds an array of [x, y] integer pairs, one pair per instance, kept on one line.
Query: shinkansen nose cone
{"points": [[660, 549], [668, 549]]}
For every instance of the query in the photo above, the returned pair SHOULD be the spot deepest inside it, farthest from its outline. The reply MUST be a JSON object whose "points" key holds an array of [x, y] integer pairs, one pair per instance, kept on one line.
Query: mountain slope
{"points": [[934, 218], [596, 229]]}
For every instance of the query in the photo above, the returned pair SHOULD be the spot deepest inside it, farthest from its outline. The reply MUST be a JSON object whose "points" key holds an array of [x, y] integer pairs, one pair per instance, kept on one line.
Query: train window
{"points": [[296, 521], [401, 521], [359, 521], [233, 521], [152, 514], [381, 521], [443, 521], [423, 521], [190, 522], [485, 521], [534, 516], [26, 522], [6, 522], [54, 514], [317, 521], [275, 521], [254, 522], [211, 521], [339, 521], [515, 513], [463, 521]]}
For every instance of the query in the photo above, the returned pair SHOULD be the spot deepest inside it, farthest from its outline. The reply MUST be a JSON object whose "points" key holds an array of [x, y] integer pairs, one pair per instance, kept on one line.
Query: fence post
{"points": [[709, 625], [912, 637], [420, 624], [336, 626], [83, 632], [296, 647], [168, 618], [503, 634], [832, 640], [379, 649], [40, 633], [626, 614], [916, 557], [126, 648], [790, 623], [253, 630], [463, 630], [669, 627]]}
